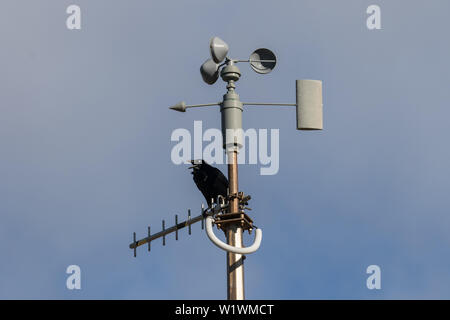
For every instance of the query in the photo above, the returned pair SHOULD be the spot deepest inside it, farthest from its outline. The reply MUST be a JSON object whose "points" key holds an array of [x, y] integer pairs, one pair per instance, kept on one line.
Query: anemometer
{"points": [[228, 213]]}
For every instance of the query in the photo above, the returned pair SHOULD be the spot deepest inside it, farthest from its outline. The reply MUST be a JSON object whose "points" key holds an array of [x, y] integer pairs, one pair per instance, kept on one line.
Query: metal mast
{"points": [[235, 261], [231, 110], [228, 213]]}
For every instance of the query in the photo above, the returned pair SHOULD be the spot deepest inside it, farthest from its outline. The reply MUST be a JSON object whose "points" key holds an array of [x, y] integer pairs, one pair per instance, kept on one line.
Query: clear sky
{"points": [[85, 148]]}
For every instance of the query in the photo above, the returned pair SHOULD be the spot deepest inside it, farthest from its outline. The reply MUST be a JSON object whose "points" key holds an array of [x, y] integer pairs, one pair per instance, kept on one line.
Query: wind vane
{"points": [[228, 213]]}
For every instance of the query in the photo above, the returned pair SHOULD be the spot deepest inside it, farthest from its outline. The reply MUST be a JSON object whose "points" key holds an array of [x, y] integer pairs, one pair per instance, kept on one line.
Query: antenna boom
{"points": [[165, 232]]}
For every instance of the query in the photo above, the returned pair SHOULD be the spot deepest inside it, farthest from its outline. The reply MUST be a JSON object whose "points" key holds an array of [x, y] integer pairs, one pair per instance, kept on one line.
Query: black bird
{"points": [[209, 180]]}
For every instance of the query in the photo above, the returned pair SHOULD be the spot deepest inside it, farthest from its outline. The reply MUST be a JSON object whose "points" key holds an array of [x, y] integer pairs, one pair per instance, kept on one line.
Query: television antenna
{"points": [[228, 213]]}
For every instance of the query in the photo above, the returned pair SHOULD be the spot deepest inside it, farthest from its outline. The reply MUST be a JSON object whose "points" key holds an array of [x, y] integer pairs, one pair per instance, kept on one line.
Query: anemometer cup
{"points": [[222, 245], [218, 49], [209, 71], [262, 61]]}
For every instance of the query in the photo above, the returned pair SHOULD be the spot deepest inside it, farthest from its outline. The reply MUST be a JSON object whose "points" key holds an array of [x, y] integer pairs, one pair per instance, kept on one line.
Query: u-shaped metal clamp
{"points": [[227, 247]]}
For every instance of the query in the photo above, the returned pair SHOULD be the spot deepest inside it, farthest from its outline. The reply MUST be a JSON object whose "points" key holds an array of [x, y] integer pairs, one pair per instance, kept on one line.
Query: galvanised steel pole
{"points": [[231, 111], [309, 117], [235, 262]]}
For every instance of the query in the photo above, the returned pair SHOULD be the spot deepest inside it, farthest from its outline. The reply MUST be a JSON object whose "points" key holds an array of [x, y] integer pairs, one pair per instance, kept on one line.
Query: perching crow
{"points": [[209, 180]]}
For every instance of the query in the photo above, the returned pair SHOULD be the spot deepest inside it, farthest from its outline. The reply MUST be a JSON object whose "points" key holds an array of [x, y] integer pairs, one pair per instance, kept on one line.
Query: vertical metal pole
{"points": [[235, 262], [231, 110]]}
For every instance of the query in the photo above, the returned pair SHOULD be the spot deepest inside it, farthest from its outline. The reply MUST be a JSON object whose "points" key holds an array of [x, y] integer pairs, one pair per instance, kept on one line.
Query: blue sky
{"points": [[85, 148]]}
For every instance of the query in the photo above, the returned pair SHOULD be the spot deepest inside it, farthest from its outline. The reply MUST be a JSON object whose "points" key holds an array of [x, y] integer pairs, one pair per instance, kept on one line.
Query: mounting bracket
{"points": [[222, 245]]}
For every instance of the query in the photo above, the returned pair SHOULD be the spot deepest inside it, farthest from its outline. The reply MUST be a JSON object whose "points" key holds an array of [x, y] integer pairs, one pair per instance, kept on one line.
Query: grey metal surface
{"points": [[231, 119], [218, 49], [309, 104], [231, 109], [268, 104], [209, 71], [230, 73], [263, 60], [180, 106]]}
